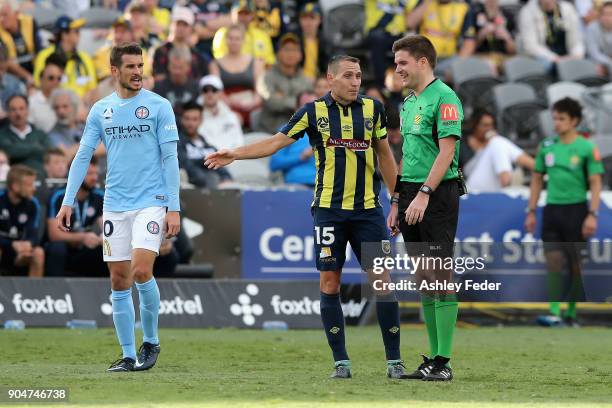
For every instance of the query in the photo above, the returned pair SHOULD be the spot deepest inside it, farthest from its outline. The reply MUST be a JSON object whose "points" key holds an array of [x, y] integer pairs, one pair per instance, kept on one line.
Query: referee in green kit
{"points": [[429, 188], [573, 165]]}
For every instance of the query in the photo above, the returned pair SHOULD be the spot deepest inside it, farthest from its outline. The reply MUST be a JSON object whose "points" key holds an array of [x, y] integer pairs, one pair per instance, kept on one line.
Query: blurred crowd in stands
{"points": [[235, 72]]}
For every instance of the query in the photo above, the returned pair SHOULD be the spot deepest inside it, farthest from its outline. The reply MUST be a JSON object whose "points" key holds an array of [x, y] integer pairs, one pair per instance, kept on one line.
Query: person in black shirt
{"points": [[77, 252], [193, 148], [19, 219]]}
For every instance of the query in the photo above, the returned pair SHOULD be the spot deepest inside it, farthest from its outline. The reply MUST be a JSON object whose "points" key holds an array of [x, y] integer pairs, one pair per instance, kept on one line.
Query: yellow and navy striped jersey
{"points": [[341, 138]]}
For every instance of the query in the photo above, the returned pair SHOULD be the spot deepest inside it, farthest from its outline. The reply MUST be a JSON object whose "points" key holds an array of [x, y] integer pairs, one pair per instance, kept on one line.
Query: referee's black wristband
{"points": [[397, 184]]}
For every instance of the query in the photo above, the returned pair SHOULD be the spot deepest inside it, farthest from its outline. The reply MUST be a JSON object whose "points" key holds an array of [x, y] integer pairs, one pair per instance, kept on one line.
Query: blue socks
{"points": [[148, 294], [387, 311], [123, 317], [333, 323]]}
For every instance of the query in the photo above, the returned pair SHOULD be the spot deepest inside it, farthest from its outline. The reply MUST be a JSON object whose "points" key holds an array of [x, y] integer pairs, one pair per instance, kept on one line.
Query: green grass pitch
{"points": [[494, 367]]}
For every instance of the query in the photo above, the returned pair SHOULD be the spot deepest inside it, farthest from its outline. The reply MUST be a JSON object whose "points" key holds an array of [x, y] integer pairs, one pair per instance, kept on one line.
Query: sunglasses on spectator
{"points": [[53, 77], [208, 89]]}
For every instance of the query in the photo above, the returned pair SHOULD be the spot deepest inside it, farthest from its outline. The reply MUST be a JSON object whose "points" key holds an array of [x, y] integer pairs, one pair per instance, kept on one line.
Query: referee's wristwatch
{"points": [[594, 213], [425, 189], [530, 210]]}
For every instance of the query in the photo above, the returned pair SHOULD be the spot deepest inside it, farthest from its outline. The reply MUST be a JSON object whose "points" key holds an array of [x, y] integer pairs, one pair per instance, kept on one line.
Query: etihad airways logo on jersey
{"points": [[126, 132], [349, 143]]}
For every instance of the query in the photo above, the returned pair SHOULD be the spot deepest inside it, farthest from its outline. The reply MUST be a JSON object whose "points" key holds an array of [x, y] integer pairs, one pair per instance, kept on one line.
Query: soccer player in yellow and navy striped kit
{"points": [[347, 133]]}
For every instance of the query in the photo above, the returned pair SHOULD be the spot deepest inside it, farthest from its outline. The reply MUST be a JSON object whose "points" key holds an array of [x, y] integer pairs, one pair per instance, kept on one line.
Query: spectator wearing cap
{"points": [[240, 73], [42, 114], [268, 17], [385, 22], [178, 87], [140, 22], [19, 34], [121, 32], [220, 124], [281, 85], [9, 84], [210, 15], [551, 32], [193, 149], [599, 39], [180, 36], [79, 70], [23, 143], [315, 57], [297, 161], [257, 43]]}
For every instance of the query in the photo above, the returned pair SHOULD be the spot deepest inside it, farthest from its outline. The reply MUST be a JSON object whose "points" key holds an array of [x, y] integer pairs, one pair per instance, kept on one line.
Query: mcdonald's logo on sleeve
{"points": [[449, 111]]}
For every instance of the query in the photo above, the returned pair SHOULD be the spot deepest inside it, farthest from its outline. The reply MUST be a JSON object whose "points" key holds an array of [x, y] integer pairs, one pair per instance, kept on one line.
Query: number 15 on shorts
{"points": [[324, 235]]}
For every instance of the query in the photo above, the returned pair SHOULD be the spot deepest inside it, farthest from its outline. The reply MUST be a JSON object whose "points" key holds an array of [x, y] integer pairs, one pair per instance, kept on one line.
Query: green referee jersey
{"points": [[568, 167], [435, 114]]}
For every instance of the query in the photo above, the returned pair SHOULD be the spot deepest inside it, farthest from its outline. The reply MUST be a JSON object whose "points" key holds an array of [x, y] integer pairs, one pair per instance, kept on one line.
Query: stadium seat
{"points": [[518, 108], [528, 71], [99, 17], [546, 124], [582, 71], [598, 103], [473, 80], [251, 172], [343, 23], [45, 17], [560, 90]]}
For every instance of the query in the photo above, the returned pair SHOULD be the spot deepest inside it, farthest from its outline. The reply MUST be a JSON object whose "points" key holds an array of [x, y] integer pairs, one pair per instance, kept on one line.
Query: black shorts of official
{"points": [[334, 228], [7, 262], [562, 228], [435, 235]]}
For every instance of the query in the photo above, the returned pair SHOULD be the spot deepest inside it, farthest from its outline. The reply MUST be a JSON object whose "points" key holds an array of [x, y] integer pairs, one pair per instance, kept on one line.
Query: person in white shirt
{"points": [[490, 169], [42, 114], [219, 124]]}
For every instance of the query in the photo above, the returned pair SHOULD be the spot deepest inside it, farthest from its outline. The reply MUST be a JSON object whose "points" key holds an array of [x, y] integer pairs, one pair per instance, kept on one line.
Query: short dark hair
{"points": [[191, 105], [17, 95], [120, 50], [332, 66], [418, 46], [57, 59], [54, 151], [570, 106], [605, 4], [17, 173]]}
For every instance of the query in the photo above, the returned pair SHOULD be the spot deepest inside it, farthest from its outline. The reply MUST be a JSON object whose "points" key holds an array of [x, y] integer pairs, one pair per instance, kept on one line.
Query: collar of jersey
{"points": [[329, 101]]}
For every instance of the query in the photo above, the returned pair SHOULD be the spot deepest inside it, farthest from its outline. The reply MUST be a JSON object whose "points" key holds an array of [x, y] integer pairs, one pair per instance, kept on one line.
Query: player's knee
{"points": [[142, 271], [330, 282]]}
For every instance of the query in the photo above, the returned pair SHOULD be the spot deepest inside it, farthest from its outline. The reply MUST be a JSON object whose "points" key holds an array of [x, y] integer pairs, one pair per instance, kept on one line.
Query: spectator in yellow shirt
{"points": [[268, 17], [315, 56], [160, 16], [79, 71], [19, 34], [385, 23], [256, 42], [449, 26]]}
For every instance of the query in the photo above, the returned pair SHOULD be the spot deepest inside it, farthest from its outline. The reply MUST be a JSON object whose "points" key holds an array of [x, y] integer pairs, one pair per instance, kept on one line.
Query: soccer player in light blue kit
{"points": [[141, 201]]}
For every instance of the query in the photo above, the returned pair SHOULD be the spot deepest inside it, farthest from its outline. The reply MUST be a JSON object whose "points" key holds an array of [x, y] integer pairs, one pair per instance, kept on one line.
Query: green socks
{"points": [[440, 319], [429, 315], [446, 319]]}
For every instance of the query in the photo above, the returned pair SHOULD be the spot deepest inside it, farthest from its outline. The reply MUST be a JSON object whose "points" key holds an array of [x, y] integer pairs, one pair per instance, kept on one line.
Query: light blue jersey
{"points": [[133, 131]]}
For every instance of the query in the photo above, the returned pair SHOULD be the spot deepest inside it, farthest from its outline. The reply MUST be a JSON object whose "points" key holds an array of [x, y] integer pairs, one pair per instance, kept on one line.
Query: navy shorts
{"points": [[334, 228]]}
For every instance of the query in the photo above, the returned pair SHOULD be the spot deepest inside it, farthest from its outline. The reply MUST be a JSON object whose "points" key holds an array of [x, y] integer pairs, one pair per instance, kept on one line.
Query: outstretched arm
{"points": [[257, 150]]}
